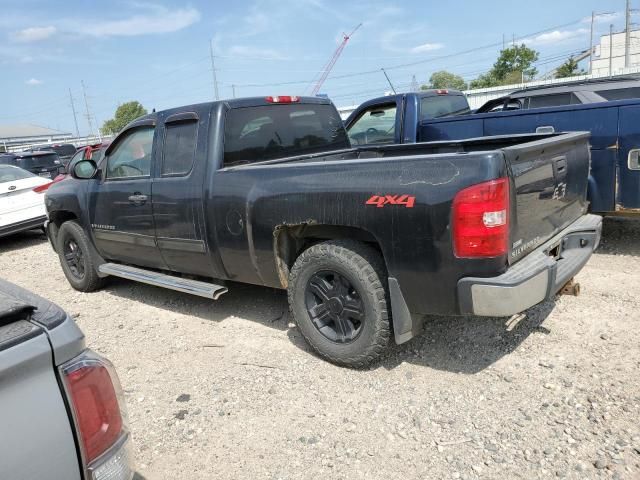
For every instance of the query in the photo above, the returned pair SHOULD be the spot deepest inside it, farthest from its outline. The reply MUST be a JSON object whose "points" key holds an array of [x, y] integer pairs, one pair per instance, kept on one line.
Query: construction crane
{"points": [[332, 61]]}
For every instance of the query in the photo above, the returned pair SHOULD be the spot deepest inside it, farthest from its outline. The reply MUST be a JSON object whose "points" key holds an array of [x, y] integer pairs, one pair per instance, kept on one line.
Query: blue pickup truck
{"points": [[610, 110]]}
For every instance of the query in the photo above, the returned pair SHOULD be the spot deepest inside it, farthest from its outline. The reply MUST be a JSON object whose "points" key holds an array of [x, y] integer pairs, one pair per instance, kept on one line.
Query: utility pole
{"points": [[627, 36], [610, 49], [233, 89], [75, 118], [86, 105], [213, 70], [503, 44], [414, 84], [593, 16]]}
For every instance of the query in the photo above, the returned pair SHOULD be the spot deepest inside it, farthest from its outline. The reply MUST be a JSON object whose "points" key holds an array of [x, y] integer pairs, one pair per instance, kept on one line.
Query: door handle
{"points": [[138, 199]]}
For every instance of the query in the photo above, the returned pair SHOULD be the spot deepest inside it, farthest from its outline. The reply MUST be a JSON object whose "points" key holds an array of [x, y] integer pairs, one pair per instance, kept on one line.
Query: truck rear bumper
{"points": [[535, 278]]}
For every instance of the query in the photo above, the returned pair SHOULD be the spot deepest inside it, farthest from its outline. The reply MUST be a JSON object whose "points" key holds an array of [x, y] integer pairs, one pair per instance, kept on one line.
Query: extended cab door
{"points": [[120, 206], [178, 184]]}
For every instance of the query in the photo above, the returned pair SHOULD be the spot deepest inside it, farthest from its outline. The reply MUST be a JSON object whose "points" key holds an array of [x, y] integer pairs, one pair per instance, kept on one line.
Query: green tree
{"points": [[444, 79], [568, 69], [514, 65], [518, 58], [125, 113]]}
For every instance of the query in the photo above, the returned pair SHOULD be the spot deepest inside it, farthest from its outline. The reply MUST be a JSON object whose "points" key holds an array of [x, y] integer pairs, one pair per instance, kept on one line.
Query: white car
{"points": [[21, 200]]}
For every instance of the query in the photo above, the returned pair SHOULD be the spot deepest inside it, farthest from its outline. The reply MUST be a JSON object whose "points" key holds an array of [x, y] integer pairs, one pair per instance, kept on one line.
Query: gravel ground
{"points": [[229, 389]]}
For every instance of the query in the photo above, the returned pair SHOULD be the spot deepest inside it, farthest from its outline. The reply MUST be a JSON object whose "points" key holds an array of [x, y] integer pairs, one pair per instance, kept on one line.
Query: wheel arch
{"points": [[291, 240]]}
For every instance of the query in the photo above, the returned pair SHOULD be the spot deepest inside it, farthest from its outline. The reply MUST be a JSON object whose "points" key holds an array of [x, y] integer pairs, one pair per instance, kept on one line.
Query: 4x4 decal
{"points": [[381, 200]]}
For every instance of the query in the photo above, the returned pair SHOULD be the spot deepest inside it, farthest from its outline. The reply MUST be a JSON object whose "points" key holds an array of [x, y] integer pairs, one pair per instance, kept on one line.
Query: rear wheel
{"points": [[338, 298], [76, 257]]}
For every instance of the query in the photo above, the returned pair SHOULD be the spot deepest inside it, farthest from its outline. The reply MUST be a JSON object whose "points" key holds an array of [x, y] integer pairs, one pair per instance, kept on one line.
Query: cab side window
{"points": [[179, 148], [132, 156], [376, 125], [554, 100]]}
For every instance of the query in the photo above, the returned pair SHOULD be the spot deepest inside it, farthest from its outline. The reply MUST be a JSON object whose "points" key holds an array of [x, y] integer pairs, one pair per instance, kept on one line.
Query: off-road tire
{"points": [[364, 268], [90, 281]]}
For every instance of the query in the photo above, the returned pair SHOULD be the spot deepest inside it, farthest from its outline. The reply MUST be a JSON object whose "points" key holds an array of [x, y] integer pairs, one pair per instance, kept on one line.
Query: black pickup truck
{"points": [[269, 191]]}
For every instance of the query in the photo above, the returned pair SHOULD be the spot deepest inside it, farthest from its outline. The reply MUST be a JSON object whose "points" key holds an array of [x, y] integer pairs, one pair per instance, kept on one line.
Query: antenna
{"points": [[390, 84], [213, 70]]}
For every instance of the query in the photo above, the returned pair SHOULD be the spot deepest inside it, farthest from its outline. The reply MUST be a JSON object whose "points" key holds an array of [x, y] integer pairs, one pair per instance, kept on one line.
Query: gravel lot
{"points": [[229, 389]]}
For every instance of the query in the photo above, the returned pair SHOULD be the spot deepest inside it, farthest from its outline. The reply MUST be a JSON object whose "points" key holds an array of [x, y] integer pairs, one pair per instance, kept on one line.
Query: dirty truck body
{"points": [[270, 192]]}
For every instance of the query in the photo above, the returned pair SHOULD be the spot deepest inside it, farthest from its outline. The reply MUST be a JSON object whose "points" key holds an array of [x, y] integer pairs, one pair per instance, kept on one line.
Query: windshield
{"points": [[9, 173]]}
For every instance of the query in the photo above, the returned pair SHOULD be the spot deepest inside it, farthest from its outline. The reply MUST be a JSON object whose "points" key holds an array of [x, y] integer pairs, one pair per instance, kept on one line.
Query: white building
{"points": [[15, 135], [603, 51]]}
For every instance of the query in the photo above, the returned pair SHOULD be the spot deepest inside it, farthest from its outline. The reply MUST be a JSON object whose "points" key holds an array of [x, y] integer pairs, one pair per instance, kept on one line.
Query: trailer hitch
{"points": [[570, 288]]}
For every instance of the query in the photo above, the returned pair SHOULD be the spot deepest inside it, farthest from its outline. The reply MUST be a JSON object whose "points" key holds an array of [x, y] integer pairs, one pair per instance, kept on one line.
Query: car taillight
{"points": [[442, 92], [283, 99], [480, 220], [94, 392], [42, 188]]}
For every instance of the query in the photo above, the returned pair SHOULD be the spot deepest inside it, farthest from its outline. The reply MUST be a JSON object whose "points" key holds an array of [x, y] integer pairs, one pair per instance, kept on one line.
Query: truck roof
{"points": [[588, 84], [235, 103]]}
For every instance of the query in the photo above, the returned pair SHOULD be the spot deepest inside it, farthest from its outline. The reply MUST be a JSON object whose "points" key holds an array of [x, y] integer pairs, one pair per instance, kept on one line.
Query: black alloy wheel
{"points": [[74, 257], [334, 306]]}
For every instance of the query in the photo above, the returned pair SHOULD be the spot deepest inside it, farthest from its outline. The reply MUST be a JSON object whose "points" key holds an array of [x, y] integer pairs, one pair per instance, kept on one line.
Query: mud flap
{"points": [[405, 325]]}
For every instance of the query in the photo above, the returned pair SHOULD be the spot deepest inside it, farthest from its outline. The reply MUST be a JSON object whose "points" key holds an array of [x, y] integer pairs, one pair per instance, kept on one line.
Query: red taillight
{"points": [[442, 92], [480, 220], [42, 188], [283, 99], [95, 405]]}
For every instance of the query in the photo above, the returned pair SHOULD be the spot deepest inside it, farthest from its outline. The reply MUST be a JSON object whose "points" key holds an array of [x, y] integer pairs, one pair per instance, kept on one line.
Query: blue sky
{"points": [[158, 52]]}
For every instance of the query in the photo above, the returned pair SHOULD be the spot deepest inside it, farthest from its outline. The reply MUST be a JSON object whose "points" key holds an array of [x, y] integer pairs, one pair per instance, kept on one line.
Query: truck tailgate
{"points": [[550, 188]]}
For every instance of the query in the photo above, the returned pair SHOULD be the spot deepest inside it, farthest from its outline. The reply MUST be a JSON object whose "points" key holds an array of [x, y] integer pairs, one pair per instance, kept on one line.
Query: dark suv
{"points": [[575, 93], [64, 150], [45, 164]]}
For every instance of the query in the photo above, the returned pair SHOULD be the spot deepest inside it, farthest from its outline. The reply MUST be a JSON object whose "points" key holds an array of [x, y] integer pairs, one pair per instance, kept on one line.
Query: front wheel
{"points": [[78, 262], [338, 297]]}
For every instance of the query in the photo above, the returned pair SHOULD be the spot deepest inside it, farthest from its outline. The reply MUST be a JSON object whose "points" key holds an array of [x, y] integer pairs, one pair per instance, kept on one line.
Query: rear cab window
{"points": [[9, 173], [255, 134], [38, 160], [439, 106]]}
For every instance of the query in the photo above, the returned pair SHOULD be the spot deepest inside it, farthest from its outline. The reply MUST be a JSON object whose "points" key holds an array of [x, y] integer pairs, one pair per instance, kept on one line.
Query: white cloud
{"points": [[603, 17], [26, 59], [556, 36], [156, 20], [256, 52], [33, 82], [34, 34], [426, 47]]}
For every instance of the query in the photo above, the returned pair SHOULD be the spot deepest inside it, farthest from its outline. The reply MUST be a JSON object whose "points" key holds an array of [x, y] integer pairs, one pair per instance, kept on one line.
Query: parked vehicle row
{"points": [[269, 191], [608, 109]]}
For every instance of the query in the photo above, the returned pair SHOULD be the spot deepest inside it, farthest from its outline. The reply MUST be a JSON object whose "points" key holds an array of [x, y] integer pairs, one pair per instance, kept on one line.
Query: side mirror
{"points": [[85, 169]]}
